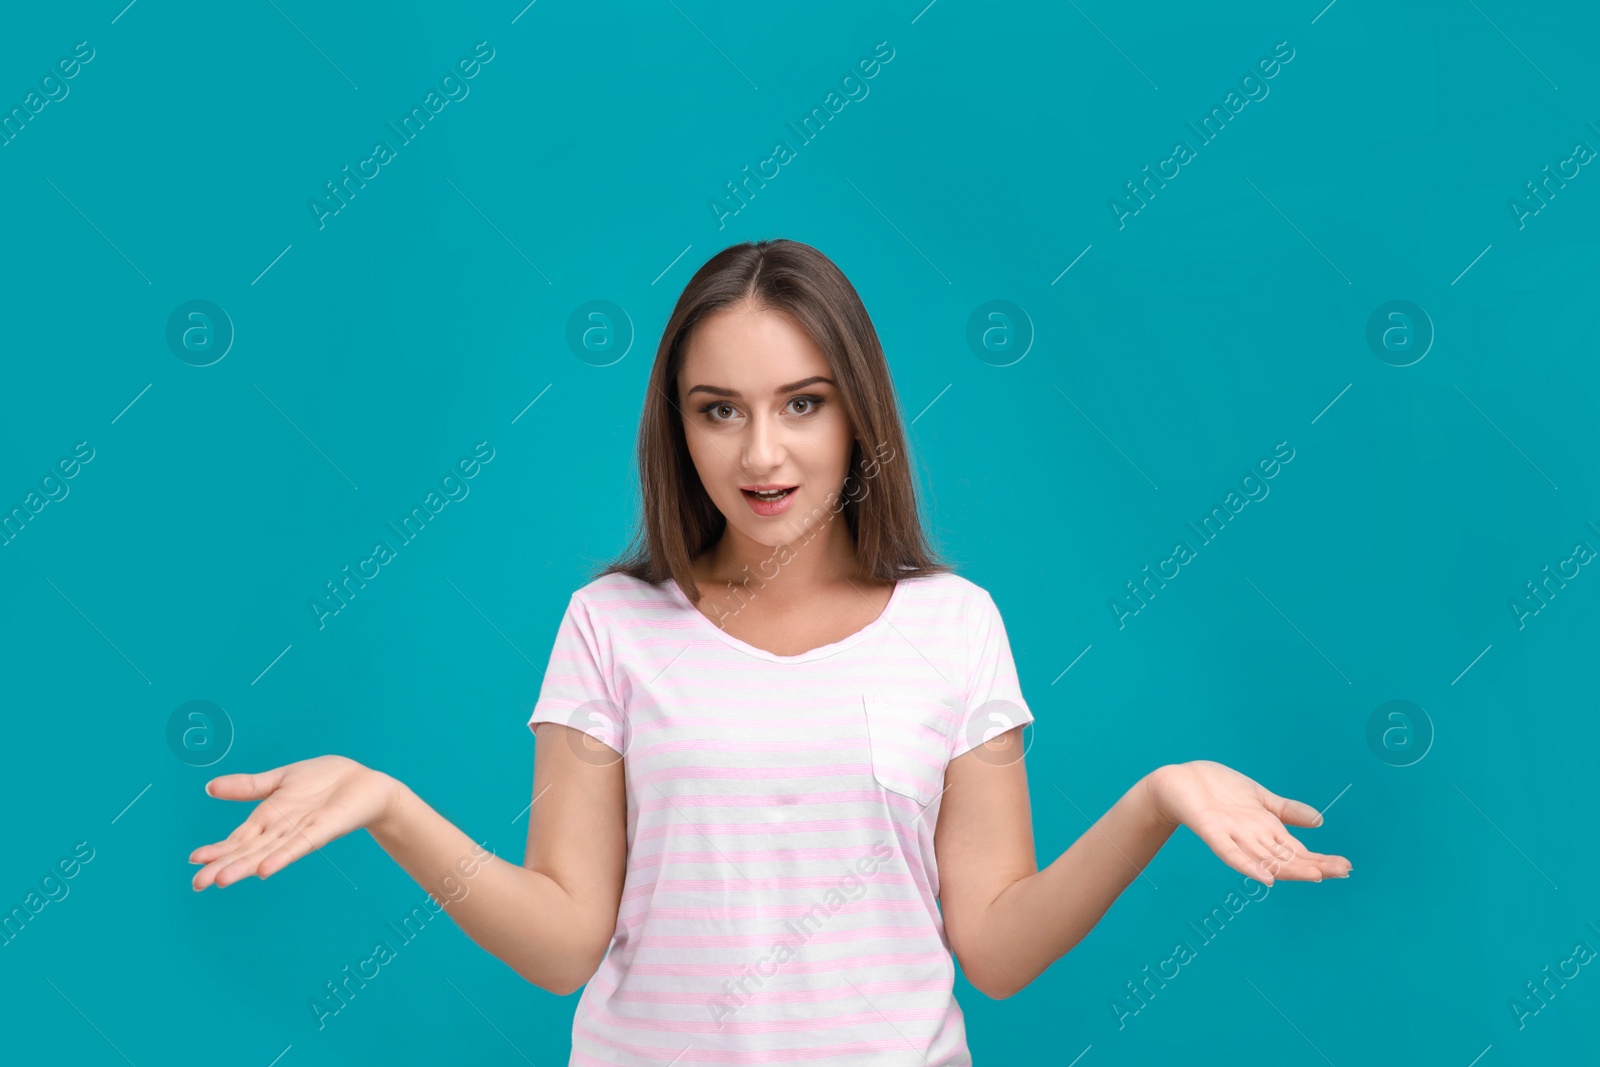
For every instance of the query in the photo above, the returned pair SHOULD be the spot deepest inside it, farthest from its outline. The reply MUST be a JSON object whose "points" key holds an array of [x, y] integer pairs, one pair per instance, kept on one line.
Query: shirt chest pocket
{"points": [[909, 747]]}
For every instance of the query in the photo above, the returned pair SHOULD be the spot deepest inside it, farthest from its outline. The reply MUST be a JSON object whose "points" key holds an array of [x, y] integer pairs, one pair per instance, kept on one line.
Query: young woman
{"points": [[778, 773]]}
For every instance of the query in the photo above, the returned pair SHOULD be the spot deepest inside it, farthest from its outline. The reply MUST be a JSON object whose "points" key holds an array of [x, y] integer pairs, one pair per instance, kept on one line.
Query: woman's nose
{"points": [[763, 446]]}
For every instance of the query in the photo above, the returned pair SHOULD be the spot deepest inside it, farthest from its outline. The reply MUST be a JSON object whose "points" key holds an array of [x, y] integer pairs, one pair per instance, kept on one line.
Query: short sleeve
{"points": [[992, 700], [577, 689]]}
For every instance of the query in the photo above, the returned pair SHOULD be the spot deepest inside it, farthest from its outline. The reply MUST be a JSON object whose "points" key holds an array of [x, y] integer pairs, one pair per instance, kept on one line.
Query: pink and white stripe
{"points": [[780, 900]]}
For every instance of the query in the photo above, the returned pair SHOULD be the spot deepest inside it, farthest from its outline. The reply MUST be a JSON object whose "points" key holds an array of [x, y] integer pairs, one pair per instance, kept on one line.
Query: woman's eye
{"points": [[713, 411]]}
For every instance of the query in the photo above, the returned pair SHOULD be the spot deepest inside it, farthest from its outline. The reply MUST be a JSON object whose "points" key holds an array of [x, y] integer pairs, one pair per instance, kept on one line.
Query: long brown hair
{"points": [[679, 521]]}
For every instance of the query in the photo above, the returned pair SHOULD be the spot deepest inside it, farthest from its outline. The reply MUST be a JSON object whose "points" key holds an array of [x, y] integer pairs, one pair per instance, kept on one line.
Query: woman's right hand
{"points": [[303, 806]]}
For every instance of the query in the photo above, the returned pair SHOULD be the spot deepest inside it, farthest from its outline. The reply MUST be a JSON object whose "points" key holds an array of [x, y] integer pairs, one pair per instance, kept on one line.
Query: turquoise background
{"points": [[1229, 314]]}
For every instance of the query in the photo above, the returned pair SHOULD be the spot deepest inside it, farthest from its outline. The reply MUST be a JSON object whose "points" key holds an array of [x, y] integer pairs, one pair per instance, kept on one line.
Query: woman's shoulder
{"points": [[620, 595], [619, 589], [956, 591]]}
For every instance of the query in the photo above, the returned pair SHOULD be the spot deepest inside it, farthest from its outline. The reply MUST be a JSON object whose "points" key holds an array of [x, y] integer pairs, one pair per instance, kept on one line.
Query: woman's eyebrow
{"points": [[717, 390]]}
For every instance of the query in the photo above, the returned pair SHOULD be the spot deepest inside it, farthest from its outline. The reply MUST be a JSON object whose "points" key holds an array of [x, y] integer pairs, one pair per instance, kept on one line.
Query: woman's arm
{"points": [[549, 919], [1007, 921]]}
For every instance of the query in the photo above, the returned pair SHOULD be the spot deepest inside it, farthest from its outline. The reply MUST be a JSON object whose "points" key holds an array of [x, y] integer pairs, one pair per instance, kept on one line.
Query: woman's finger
{"points": [[285, 844], [242, 834], [1301, 871], [1290, 849], [1248, 865], [207, 875], [218, 858], [207, 853], [1247, 857], [1282, 845], [1310, 866], [1280, 854], [1292, 812], [1267, 856], [292, 849], [241, 865], [1332, 866], [245, 786]]}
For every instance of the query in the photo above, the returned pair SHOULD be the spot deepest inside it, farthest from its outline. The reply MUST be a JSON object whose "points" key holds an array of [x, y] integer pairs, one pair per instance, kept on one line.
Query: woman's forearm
{"points": [[1038, 919], [521, 916]]}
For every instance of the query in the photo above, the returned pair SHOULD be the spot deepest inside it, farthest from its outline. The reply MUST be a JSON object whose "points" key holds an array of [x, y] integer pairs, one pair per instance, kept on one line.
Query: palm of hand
{"points": [[1243, 822], [303, 806]]}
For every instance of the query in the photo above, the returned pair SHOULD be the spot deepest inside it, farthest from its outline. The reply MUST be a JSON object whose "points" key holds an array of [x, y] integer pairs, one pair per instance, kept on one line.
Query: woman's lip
{"points": [[764, 488], [768, 508]]}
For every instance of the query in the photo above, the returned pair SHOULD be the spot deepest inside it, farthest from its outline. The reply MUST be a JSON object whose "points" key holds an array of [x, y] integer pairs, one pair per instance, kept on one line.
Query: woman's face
{"points": [[760, 411]]}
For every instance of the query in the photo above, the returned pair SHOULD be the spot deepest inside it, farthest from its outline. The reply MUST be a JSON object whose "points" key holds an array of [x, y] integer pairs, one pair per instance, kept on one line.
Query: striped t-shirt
{"points": [[779, 904]]}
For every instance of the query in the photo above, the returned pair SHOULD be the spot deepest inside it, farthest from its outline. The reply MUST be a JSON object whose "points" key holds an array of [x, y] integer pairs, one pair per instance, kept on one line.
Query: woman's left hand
{"points": [[1242, 822]]}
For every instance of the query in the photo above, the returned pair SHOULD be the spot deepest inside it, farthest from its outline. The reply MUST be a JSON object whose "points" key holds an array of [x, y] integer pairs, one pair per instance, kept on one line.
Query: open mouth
{"points": [[768, 495]]}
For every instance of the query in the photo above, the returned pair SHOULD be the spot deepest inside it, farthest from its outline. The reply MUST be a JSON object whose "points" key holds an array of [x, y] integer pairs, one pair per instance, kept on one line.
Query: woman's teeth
{"points": [[775, 494]]}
